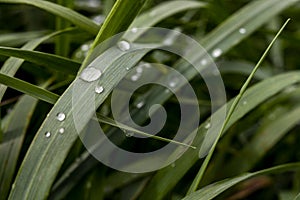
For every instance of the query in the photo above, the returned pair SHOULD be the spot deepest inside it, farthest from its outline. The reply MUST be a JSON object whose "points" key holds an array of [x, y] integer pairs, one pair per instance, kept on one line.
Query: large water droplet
{"points": [[242, 30], [217, 52], [48, 134], [61, 130], [124, 45], [60, 116], [207, 126], [99, 89], [90, 74]]}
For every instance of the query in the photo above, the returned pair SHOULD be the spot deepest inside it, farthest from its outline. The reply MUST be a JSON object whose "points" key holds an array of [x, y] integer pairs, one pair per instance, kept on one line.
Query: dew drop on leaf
{"points": [[217, 52], [48, 134], [90, 74], [123, 45], [99, 89], [60, 116]]}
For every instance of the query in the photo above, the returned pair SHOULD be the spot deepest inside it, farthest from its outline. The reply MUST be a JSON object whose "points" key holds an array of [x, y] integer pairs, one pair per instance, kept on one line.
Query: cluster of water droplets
{"points": [[139, 71], [91, 74], [59, 117]]}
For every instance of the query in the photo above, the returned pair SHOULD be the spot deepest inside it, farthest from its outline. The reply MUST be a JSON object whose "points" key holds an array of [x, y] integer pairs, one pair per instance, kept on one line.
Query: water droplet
{"points": [[60, 116], [207, 126], [203, 62], [147, 65], [99, 89], [245, 102], [134, 30], [90, 74], [173, 165], [172, 84], [48, 134], [85, 47], [140, 104], [135, 77], [127, 68], [124, 45], [129, 134], [61, 130], [217, 52], [242, 30], [139, 69]]}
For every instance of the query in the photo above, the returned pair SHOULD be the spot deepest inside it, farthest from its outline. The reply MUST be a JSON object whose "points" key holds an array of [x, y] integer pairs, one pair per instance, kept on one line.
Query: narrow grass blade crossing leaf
{"points": [[206, 144]]}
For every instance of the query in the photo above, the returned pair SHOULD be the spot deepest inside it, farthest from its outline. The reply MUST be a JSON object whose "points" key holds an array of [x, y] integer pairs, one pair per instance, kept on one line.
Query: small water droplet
{"points": [[129, 134], [90, 74], [127, 68], [147, 65], [135, 77], [139, 69], [173, 165], [60, 116], [99, 89], [242, 30], [203, 62], [245, 102], [134, 30], [207, 126], [48, 134], [124, 45], [140, 104], [217, 52], [61, 130], [85, 47]]}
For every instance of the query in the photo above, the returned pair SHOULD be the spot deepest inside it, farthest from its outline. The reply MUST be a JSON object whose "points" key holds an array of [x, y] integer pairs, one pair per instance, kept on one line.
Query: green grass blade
{"points": [[213, 190], [15, 39], [118, 20], [13, 138], [63, 12], [157, 14], [250, 17], [50, 61], [28, 88], [208, 145], [29, 183], [12, 65]]}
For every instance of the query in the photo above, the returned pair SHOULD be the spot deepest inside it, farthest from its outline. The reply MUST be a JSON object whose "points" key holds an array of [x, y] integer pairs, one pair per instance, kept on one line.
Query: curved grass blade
{"points": [[15, 39], [12, 142], [12, 65], [157, 14], [63, 12], [50, 61], [118, 20], [210, 143], [213, 190], [34, 181], [263, 141], [252, 16], [28, 88]]}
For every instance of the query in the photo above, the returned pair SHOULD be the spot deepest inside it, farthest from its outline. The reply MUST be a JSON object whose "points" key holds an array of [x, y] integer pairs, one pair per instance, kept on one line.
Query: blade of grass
{"points": [[250, 17], [63, 12], [207, 145], [15, 39], [50, 61], [12, 65], [213, 190], [118, 20]]}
